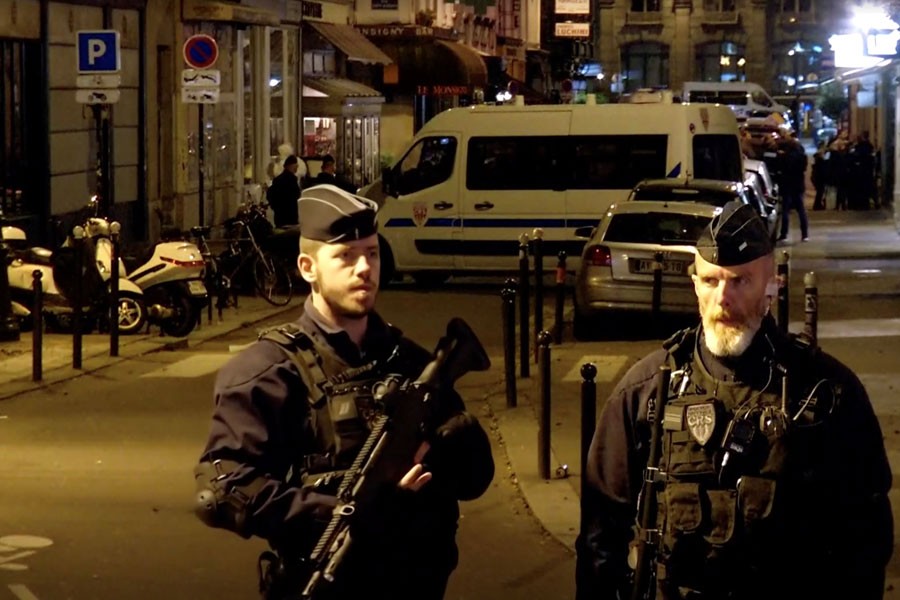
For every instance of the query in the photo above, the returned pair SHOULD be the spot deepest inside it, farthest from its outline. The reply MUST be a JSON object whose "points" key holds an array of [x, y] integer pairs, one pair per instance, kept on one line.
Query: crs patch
{"points": [[420, 213], [701, 421]]}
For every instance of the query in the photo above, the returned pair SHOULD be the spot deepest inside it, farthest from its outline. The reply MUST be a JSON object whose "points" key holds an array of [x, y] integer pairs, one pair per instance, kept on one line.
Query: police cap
{"points": [[330, 214], [735, 236]]}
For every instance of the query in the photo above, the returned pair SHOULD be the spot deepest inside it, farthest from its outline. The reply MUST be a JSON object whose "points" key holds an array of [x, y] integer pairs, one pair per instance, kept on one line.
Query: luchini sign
{"points": [[200, 51]]}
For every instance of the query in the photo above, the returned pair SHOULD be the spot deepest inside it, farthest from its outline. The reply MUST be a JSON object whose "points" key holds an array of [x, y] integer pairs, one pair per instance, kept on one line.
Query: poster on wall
{"points": [[573, 7], [384, 4]]}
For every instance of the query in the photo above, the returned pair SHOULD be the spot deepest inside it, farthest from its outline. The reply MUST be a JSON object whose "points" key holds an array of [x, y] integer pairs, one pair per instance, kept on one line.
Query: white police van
{"points": [[745, 98], [473, 179]]}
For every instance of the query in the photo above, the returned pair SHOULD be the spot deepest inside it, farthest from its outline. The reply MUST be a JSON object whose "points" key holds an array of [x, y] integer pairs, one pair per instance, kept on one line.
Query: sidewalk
{"points": [[16, 357]]}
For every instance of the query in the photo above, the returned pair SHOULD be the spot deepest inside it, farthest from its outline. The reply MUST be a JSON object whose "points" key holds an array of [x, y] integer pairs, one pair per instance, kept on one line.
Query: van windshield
{"points": [[718, 157], [761, 98]]}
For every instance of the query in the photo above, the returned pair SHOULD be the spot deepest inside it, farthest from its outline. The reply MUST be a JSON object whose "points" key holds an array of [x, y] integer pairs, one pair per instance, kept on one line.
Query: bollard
{"points": [[544, 422], [656, 299], [114, 229], [782, 272], [811, 308], [37, 336], [588, 412], [538, 251], [78, 235], [508, 294], [524, 359], [560, 296]]}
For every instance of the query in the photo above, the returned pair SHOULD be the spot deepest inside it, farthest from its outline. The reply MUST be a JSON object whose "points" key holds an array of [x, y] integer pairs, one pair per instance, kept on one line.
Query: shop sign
{"points": [[443, 90], [384, 5], [573, 7], [396, 31], [573, 30]]}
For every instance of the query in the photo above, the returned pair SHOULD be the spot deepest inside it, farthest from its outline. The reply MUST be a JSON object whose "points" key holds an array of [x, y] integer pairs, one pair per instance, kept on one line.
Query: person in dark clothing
{"points": [[292, 411], [792, 184], [284, 193], [329, 174], [819, 176], [773, 480]]}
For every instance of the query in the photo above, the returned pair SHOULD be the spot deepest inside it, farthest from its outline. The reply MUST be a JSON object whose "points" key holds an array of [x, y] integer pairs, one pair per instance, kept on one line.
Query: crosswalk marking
{"points": [[21, 592], [196, 365], [607, 367], [854, 328]]}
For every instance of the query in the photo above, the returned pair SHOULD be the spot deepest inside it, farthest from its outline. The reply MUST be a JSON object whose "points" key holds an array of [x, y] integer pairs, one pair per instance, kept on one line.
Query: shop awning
{"points": [[351, 42], [211, 10], [330, 96], [435, 64]]}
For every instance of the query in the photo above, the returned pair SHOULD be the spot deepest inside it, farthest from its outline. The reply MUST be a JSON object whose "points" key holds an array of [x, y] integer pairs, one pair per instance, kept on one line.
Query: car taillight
{"points": [[598, 256]]}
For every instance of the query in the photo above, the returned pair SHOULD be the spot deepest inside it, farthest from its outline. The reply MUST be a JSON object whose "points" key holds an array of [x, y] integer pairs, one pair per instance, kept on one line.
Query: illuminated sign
{"points": [[573, 7], [573, 30]]}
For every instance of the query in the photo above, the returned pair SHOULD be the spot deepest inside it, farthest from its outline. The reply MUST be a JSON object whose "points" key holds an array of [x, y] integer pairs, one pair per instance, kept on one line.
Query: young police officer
{"points": [[297, 405], [774, 478]]}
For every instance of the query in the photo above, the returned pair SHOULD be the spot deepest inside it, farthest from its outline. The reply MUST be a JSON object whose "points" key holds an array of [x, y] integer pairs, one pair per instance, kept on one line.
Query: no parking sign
{"points": [[200, 51]]}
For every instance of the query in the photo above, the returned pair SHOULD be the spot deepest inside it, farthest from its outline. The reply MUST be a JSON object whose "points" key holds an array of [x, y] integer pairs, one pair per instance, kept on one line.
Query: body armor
{"points": [[724, 458]]}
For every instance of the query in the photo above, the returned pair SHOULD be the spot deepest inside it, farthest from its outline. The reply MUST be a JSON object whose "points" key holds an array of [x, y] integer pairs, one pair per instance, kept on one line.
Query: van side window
{"points": [[761, 98], [717, 157], [705, 96], [734, 98], [428, 163], [617, 162], [513, 163]]}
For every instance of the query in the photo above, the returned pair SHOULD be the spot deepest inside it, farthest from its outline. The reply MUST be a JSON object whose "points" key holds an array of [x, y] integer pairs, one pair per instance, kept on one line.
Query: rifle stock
{"points": [[644, 587], [388, 453]]}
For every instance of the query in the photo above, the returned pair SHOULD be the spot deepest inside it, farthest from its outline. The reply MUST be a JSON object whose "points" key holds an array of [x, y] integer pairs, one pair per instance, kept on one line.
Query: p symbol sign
{"points": [[98, 52]]}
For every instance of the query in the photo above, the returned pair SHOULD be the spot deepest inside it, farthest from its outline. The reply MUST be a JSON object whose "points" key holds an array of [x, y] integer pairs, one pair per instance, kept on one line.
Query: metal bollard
{"points": [[588, 412], [544, 422], [114, 229], [37, 336], [538, 251], [656, 299], [508, 294], [524, 359], [560, 297], [782, 272], [811, 307], [77, 301]]}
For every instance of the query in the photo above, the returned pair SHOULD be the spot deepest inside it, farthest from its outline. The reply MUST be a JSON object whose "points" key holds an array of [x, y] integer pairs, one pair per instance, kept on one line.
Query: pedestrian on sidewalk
{"points": [[284, 193], [773, 466], [792, 184], [819, 176], [293, 410]]}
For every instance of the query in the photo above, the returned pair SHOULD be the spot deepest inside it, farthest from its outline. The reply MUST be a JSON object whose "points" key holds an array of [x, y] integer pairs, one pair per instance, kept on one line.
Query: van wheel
{"points": [[430, 278], [388, 269]]}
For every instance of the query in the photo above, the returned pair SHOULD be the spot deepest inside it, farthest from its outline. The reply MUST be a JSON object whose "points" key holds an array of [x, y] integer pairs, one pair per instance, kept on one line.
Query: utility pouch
{"points": [[756, 497], [684, 511], [722, 509]]}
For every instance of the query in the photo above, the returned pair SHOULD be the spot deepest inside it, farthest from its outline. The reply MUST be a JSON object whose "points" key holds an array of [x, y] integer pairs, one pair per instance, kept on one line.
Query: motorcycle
{"points": [[59, 275], [170, 273]]}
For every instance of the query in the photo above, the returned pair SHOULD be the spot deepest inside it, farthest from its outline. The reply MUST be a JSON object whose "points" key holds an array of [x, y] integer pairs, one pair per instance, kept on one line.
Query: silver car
{"points": [[617, 263]]}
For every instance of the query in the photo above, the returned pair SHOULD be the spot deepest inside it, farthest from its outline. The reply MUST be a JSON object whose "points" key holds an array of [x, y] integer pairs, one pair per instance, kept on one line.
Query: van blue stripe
{"points": [[676, 171], [481, 223]]}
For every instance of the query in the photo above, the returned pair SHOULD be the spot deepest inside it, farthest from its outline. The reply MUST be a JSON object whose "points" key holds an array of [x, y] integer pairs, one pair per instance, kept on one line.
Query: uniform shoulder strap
{"points": [[301, 349], [680, 346]]}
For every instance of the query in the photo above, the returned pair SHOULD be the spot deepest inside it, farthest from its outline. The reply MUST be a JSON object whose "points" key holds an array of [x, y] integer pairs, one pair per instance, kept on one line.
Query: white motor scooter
{"points": [[58, 275], [172, 282]]}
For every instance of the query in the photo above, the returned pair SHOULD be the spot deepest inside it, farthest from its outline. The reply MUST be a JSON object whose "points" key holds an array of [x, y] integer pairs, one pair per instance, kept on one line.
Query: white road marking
{"points": [[21, 592], [607, 367], [195, 365], [7, 564]]}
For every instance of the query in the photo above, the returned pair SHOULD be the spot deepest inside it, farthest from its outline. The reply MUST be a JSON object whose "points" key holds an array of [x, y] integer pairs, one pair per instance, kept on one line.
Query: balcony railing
{"points": [[643, 18], [720, 17]]}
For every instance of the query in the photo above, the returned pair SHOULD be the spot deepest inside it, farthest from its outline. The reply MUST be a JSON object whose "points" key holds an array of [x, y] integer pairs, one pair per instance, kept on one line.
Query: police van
{"points": [[473, 179], [745, 98]]}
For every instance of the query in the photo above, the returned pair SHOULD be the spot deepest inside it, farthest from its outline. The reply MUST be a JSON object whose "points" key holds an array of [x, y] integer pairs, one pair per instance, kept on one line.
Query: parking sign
{"points": [[98, 51]]}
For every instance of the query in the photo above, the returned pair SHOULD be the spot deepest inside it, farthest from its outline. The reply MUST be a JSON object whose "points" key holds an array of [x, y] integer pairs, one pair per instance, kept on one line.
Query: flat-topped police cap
{"points": [[735, 236], [330, 214]]}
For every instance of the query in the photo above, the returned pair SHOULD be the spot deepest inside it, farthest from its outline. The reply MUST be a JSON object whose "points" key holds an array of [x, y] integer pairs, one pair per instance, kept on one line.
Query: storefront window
{"points": [[319, 136], [721, 61], [14, 173], [276, 91], [247, 155], [799, 64], [645, 64]]}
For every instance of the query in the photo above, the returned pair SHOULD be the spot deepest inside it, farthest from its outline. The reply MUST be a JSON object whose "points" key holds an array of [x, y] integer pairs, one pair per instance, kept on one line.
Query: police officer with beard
{"points": [[773, 474], [293, 409]]}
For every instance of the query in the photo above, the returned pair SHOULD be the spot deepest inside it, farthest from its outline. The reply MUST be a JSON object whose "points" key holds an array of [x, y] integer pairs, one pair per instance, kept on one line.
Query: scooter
{"points": [[59, 273], [171, 277]]}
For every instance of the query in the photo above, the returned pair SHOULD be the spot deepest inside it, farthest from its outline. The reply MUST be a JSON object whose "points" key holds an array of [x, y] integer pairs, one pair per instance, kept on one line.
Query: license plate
{"points": [[197, 287], [669, 267]]}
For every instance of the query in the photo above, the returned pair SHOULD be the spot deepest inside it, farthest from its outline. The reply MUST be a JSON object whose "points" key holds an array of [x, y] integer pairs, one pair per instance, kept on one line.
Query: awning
{"points": [[351, 42], [210, 10], [436, 65], [332, 96]]}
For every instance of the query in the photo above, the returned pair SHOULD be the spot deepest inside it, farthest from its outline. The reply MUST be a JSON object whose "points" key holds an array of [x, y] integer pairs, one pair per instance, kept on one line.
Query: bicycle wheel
{"points": [[272, 279]]}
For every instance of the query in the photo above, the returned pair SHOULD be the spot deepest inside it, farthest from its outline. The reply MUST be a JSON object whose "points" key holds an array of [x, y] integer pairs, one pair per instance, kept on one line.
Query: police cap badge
{"points": [[330, 214]]}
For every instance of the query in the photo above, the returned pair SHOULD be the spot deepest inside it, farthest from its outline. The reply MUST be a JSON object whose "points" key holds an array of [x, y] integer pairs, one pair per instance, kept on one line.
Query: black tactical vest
{"points": [[724, 451]]}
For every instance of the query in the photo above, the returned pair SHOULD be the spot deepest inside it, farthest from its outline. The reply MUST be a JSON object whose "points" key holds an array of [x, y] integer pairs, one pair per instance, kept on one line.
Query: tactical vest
{"points": [[342, 400], [724, 450]]}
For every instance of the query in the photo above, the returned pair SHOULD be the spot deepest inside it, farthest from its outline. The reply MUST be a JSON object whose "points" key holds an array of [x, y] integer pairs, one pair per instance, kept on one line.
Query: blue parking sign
{"points": [[98, 52]]}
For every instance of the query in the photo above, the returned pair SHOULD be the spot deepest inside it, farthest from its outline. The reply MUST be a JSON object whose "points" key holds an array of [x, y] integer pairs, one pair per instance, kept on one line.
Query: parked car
{"points": [[617, 263], [706, 191], [768, 208]]}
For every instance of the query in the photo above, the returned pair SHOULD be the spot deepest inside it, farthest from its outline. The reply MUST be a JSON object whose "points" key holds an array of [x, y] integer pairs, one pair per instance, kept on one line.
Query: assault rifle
{"points": [[408, 413], [648, 534]]}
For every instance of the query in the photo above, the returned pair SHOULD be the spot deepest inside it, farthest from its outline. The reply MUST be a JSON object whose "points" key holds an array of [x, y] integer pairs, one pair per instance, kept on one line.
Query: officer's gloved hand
{"points": [[460, 457]]}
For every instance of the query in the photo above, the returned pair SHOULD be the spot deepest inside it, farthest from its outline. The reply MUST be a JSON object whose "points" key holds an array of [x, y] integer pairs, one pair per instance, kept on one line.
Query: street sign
{"points": [[200, 51], [103, 96], [200, 96], [200, 78], [98, 81], [98, 51]]}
